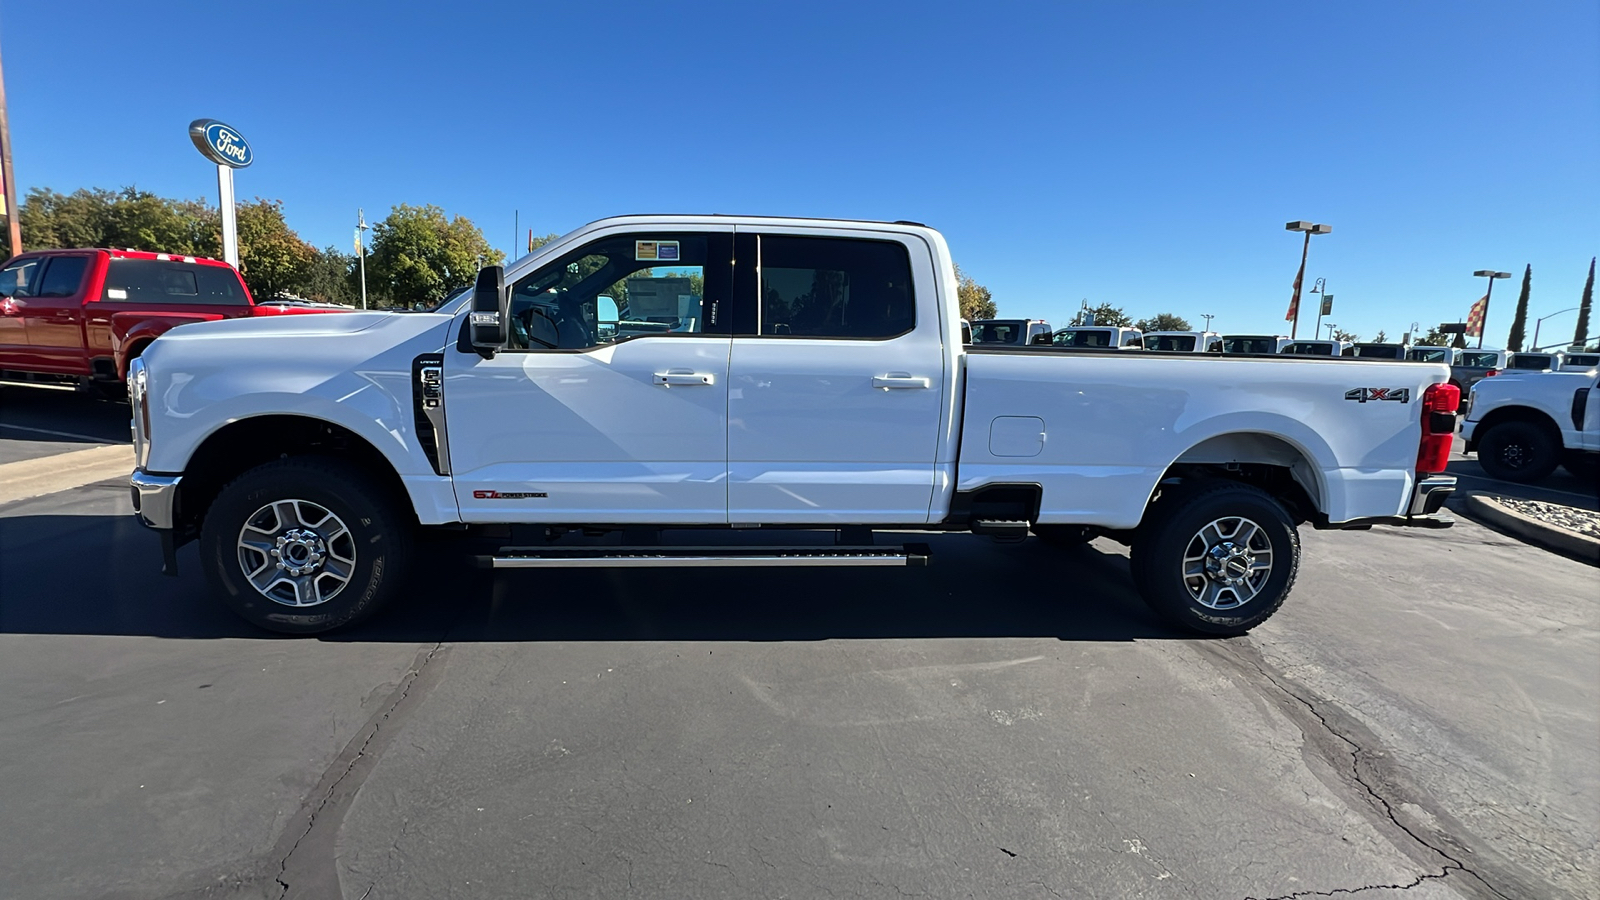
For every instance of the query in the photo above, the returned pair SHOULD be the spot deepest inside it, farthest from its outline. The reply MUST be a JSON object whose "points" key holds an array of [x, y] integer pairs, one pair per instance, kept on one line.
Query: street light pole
{"points": [[1535, 344], [361, 252], [1208, 317], [1331, 328], [1492, 275], [1305, 250]]}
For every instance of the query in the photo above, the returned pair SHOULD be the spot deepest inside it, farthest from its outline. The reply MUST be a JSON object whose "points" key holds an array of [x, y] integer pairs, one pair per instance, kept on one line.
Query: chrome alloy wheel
{"points": [[1227, 563], [296, 553]]}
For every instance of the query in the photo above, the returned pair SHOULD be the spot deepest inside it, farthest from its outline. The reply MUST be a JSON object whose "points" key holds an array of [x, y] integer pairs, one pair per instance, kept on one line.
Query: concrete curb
{"points": [[1581, 547]]}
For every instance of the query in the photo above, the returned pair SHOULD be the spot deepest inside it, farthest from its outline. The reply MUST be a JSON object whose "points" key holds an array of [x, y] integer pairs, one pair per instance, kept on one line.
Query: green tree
{"points": [[1581, 333], [1519, 324], [976, 301], [419, 255], [330, 277], [129, 218], [1339, 334], [1104, 314], [272, 258], [1163, 322], [1381, 337], [1435, 338]]}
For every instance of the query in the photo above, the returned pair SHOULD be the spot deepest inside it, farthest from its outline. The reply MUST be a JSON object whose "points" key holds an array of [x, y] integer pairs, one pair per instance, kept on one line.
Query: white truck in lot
{"points": [[1183, 341], [821, 386], [1523, 424]]}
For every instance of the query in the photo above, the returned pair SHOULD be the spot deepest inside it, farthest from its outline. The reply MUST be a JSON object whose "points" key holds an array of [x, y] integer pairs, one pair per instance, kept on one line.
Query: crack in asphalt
{"points": [[1357, 755], [354, 754]]}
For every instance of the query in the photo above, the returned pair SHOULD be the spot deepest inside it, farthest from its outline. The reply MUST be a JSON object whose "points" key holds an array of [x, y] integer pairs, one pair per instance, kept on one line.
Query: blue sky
{"points": [[1146, 154]]}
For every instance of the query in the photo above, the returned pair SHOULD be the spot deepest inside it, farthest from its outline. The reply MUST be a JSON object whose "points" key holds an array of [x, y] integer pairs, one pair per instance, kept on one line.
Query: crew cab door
{"points": [[54, 317], [609, 405], [836, 380]]}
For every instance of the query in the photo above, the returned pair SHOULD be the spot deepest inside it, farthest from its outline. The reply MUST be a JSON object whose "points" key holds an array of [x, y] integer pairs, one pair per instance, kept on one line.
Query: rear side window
{"points": [[997, 333], [834, 288], [1070, 338], [1171, 342], [1479, 360], [171, 281], [63, 277]]}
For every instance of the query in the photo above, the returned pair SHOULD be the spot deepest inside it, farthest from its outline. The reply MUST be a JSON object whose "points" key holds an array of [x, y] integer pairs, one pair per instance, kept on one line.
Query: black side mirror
{"points": [[491, 312]]}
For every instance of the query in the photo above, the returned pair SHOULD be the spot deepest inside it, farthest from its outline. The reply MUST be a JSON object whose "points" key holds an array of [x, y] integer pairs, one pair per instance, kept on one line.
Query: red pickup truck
{"points": [[82, 315]]}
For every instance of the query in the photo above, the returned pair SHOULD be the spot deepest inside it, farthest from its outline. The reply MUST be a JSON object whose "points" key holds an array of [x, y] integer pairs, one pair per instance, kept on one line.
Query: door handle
{"points": [[684, 377], [900, 381]]}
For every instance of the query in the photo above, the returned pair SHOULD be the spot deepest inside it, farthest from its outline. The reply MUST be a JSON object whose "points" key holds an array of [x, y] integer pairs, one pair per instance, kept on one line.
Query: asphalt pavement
{"points": [[1419, 719]]}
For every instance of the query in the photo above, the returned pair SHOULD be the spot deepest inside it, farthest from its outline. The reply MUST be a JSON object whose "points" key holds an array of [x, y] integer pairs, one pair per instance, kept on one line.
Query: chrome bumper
{"points": [[155, 498]]}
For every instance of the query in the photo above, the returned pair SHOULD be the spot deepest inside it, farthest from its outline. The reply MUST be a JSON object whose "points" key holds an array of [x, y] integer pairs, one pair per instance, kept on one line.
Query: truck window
{"points": [[997, 333], [63, 277], [1068, 337], [834, 288], [16, 280], [171, 281], [1181, 343], [1479, 360], [621, 287]]}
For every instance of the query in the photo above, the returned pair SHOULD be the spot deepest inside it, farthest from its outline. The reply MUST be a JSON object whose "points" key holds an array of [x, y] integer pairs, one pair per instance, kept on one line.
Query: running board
{"points": [[704, 557]]}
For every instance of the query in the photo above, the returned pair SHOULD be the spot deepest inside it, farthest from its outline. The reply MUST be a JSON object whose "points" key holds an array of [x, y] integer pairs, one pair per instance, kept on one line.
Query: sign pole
{"points": [[8, 180], [230, 216]]}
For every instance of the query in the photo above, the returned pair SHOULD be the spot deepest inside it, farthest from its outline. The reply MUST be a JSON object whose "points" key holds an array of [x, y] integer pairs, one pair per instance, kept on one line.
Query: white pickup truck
{"points": [[806, 374], [1523, 424]]}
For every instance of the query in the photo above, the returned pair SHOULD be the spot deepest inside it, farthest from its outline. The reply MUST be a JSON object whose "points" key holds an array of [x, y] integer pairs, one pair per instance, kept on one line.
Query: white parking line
{"points": [[63, 472], [65, 434]]}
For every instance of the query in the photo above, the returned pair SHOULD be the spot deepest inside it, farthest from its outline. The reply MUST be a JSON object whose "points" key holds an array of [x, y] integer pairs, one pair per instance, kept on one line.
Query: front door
{"points": [[836, 386], [609, 405], [18, 281]]}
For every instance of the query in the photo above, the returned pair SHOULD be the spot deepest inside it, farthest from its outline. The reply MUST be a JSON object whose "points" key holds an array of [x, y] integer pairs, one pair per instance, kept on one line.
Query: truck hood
{"points": [[283, 326]]}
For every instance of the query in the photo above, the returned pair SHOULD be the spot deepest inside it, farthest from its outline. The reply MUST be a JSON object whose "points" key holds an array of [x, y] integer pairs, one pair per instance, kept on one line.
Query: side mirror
{"points": [[491, 312]]}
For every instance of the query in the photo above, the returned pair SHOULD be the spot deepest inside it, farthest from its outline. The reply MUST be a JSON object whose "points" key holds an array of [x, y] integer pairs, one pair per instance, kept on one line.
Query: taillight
{"points": [[1491, 373], [1439, 403]]}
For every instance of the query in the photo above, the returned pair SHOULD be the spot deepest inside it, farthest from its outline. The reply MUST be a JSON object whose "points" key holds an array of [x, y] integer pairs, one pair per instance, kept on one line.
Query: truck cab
{"points": [[1379, 351], [1098, 337], [1317, 348], [1182, 341], [1253, 344], [1008, 332]]}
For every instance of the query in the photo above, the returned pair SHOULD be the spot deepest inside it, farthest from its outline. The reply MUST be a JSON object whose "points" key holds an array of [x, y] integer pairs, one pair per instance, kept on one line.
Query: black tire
{"points": [[369, 528], [1172, 527], [1518, 451], [1064, 536]]}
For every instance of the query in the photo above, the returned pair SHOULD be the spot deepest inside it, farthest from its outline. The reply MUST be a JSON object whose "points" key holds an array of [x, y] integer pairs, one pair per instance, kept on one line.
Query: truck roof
{"points": [[129, 253]]}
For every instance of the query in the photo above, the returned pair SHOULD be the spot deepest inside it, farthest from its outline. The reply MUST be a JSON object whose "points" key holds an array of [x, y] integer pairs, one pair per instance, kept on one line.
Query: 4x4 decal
{"points": [[1362, 395]]}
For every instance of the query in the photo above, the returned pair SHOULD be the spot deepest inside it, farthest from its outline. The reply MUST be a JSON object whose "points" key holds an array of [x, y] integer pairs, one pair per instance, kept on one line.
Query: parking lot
{"points": [[1421, 718]]}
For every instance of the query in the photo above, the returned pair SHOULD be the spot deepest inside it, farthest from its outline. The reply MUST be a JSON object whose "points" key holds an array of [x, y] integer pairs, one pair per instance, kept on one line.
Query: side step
{"points": [[681, 557]]}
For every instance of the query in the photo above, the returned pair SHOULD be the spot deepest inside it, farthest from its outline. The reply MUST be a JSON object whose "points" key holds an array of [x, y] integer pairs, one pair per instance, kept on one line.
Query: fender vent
{"points": [[427, 409], [1580, 399]]}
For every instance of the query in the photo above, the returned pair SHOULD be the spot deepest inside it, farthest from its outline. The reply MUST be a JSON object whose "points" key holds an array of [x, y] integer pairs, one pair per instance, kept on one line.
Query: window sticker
{"points": [[116, 294], [656, 251]]}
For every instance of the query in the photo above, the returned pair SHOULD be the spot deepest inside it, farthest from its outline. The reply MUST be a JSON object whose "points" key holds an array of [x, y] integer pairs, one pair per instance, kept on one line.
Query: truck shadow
{"points": [[99, 575], [61, 416]]}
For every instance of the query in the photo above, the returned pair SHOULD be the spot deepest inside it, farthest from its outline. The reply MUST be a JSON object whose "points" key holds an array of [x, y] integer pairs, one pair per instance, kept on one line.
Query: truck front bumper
{"points": [[155, 498]]}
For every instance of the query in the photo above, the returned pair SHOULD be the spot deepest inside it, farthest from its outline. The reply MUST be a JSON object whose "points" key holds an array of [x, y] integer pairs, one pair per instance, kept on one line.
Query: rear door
{"points": [[836, 379]]}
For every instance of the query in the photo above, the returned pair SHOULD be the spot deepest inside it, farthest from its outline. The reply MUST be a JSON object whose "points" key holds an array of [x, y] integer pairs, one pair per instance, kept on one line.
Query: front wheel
{"points": [[1518, 451], [1217, 559], [305, 545]]}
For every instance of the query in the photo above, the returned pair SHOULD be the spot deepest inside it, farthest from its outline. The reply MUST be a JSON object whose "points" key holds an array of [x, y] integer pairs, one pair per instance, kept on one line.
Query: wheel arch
{"points": [[1275, 463], [1516, 413], [245, 443]]}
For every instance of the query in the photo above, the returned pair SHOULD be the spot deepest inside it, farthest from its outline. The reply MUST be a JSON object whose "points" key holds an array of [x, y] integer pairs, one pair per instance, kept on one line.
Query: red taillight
{"points": [[1491, 373], [1439, 403]]}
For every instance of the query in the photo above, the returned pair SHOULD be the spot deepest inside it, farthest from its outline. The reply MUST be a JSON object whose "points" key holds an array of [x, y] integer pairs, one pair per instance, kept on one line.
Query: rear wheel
{"points": [[1518, 451], [305, 545], [1217, 559]]}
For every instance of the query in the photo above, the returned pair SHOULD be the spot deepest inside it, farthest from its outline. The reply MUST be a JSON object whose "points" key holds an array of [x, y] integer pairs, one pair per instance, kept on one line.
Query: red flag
{"points": [[1475, 317], [1294, 302]]}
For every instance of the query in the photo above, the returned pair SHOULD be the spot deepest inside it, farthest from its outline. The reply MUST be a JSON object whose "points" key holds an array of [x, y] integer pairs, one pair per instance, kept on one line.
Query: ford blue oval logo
{"points": [[220, 143]]}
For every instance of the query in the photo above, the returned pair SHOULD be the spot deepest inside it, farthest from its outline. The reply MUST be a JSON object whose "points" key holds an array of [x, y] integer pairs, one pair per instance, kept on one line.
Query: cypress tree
{"points": [[1520, 323], [1582, 333]]}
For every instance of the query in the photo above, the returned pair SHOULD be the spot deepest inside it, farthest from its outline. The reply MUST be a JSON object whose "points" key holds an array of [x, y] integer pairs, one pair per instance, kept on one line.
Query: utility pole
{"points": [[361, 252], [8, 181], [1208, 317]]}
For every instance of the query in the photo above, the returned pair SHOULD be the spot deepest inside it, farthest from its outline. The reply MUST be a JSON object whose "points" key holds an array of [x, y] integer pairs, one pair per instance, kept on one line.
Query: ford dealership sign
{"points": [[219, 143]]}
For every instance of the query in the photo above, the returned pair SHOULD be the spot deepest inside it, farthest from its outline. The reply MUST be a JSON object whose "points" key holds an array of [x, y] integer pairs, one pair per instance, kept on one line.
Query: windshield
{"points": [[1250, 345], [1183, 343], [1081, 338], [1309, 348], [1480, 360], [998, 333]]}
